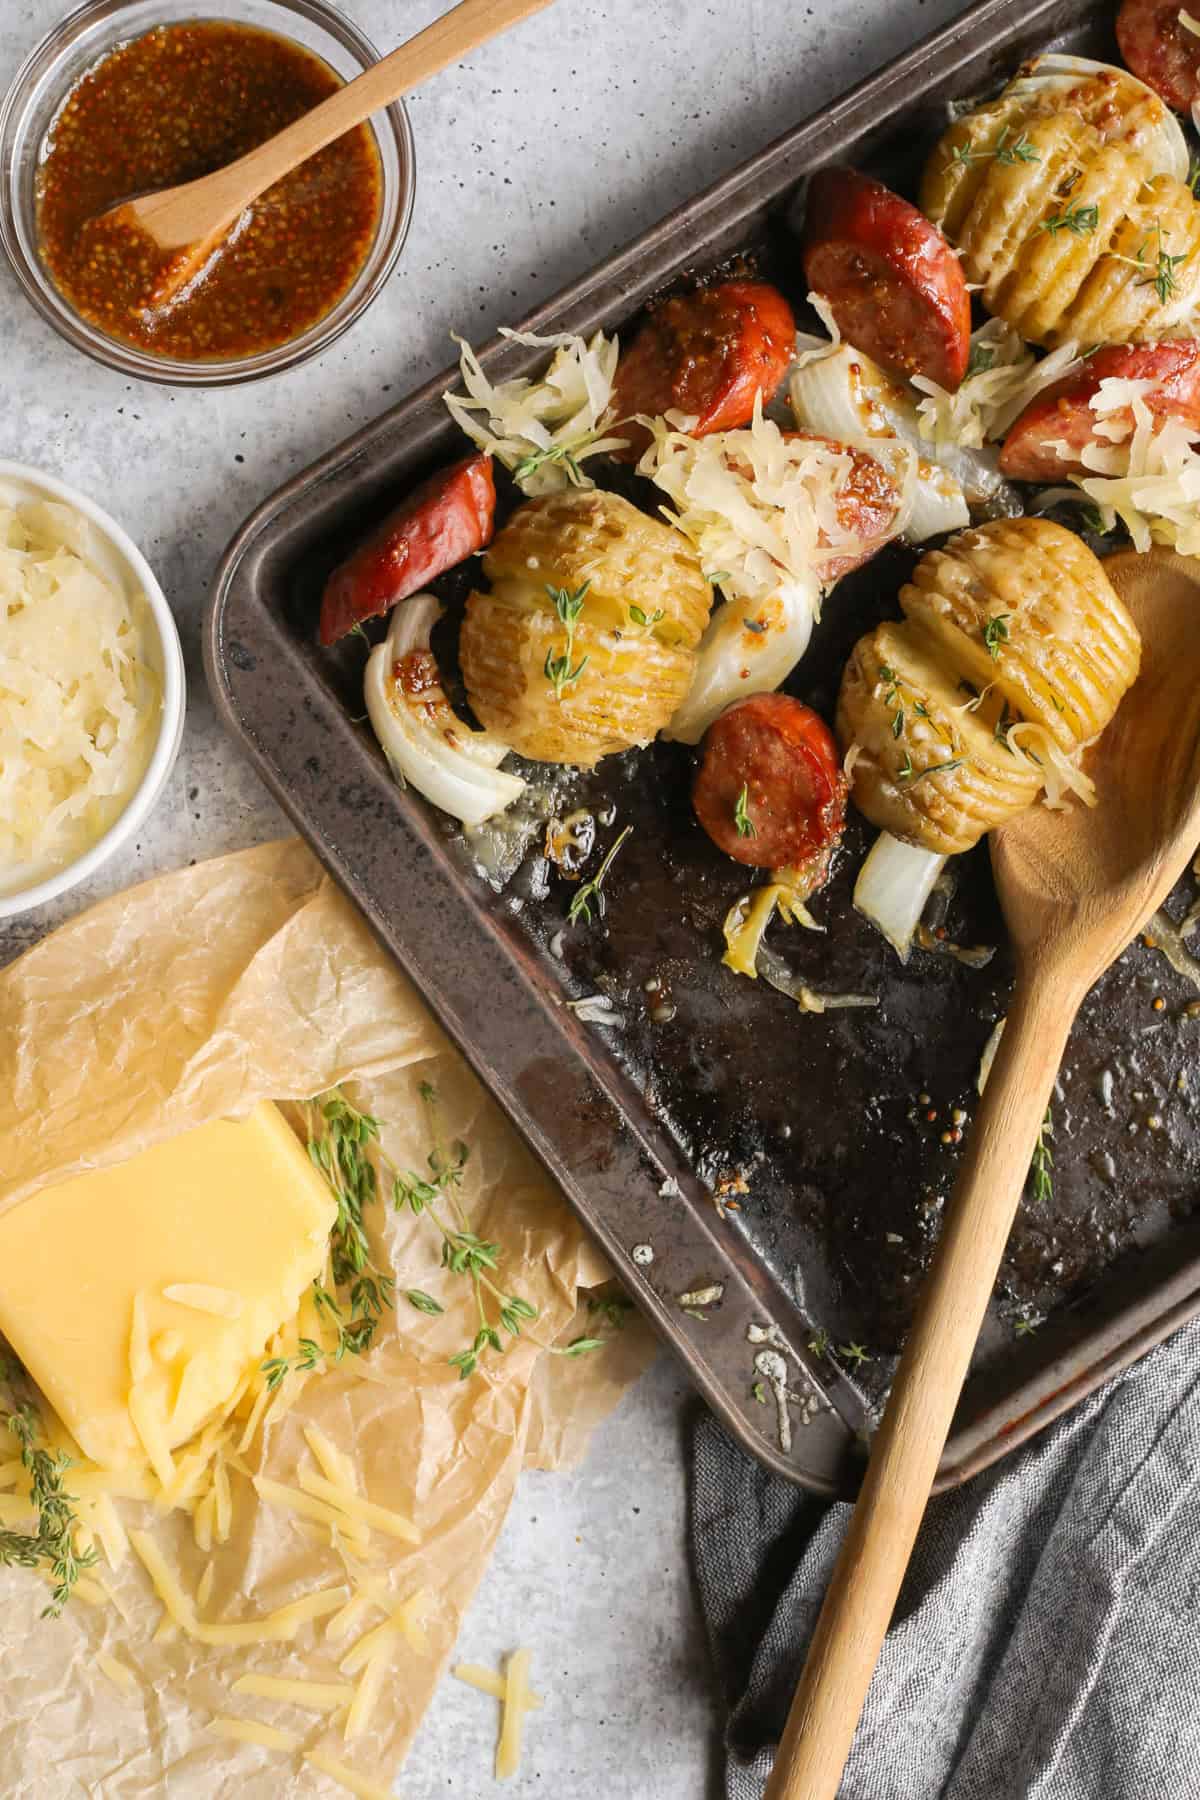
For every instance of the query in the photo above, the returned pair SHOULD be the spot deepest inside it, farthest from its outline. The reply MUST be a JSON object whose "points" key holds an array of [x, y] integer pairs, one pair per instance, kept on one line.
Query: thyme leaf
{"points": [[746, 828], [1079, 220], [581, 903], [1041, 1169], [558, 669], [1020, 150], [52, 1546], [995, 633]]}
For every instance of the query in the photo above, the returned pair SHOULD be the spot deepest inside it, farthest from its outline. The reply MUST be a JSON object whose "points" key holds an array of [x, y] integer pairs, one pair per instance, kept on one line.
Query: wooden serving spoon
{"points": [[1075, 888], [186, 223]]}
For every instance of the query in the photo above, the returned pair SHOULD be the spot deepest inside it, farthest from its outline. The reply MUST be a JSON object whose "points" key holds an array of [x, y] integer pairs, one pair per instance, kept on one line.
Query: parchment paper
{"points": [[194, 996]]}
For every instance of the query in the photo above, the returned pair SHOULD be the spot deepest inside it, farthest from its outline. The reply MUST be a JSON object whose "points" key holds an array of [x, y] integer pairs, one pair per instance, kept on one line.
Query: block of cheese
{"points": [[138, 1296]]}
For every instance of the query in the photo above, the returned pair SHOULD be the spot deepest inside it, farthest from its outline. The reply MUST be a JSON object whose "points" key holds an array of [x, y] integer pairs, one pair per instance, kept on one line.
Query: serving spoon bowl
{"points": [[1075, 887], [173, 232]]}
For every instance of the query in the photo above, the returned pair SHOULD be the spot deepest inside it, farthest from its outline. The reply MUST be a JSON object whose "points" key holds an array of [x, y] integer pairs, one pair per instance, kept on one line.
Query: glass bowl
{"points": [[51, 71]]}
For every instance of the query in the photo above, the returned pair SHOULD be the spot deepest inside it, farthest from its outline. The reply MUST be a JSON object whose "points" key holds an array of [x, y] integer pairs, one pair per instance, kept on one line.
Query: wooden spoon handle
{"points": [[906, 1449], [462, 29]]}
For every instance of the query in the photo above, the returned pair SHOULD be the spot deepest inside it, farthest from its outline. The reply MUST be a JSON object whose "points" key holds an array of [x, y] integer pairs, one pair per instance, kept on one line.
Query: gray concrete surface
{"points": [[534, 160]]}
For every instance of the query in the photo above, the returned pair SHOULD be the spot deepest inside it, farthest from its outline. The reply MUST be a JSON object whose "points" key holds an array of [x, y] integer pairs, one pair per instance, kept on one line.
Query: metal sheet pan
{"points": [[820, 1126]]}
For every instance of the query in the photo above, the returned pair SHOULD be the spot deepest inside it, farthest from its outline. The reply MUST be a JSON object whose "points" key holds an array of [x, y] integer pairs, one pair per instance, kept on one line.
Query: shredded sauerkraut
{"points": [[79, 702], [1145, 468], [1003, 376], [1061, 774], [747, 919], [543, 430], [761, 507]]}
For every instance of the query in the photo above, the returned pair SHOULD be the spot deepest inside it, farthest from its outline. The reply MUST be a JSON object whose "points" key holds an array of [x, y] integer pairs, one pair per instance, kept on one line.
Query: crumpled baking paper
{"points": [[194, 996]]}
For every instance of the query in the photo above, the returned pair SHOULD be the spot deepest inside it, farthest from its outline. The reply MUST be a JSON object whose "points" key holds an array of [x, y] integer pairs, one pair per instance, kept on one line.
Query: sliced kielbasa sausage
{"points": [[707, 354], [770, 790], [440, 523], [1063, 415], [1160, 50], [894, 285]]}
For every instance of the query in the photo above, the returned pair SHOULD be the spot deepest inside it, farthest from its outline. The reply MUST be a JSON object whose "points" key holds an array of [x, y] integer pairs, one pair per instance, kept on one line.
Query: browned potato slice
{"points": [[1049, 266], [1012, 623], [1013, 198], [1051, 200], [928, 769], [632, 652], [1024, 606]]}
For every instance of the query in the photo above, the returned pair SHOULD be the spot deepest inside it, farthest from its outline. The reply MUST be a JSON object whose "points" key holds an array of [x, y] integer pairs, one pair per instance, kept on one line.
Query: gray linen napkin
{"points": [[1047, 1641]]}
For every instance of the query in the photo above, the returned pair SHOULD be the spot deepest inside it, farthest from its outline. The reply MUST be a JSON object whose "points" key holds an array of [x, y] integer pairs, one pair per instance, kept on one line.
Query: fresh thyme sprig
{"points": [[995, 633], [1079, 220], [344, 1144], [906, 772], [568, 606], [593, 890], [1020, 150], [614, 1307], [1041, 1169], [746, 828], [464, 1252], [1159, 272], [52, 1545], [552, 453], [339, 1140]]}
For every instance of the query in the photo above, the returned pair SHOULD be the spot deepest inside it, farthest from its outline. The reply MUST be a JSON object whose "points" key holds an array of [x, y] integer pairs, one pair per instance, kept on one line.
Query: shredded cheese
{"points": [[1006, 377], [355, 1507], [254, 1420], [368, 1646], [1143, 470], [153, 1438], [366, 1692], [202, 1522], [107, 1524], [280, 1626], [317, 1696], [343, 1622], [119, 1673], [488, 1682], [221, 1303], [512, 1716], [204, 1586], [306, 1506], [542, 430], [335, 1464], [253, 1731], [78, 699], [352, 1782]]}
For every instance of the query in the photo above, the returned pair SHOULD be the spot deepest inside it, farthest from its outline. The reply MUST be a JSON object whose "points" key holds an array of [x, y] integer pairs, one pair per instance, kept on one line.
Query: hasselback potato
{"points": [[1014, 652], [586, 643], [1060, 206]]}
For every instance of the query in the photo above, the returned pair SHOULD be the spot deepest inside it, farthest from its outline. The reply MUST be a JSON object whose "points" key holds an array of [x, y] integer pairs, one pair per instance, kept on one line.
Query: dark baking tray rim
{"points": [[546, 1071]]}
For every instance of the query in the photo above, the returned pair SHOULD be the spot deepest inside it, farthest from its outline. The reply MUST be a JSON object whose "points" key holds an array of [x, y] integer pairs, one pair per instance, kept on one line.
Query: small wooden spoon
{"points": [[187, 223], [1075, 887]]}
